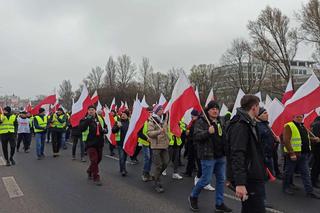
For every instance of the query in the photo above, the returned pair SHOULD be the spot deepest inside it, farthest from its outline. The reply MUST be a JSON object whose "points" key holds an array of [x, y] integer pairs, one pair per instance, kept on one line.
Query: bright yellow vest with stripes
{"points": [[7, 125], [295, 141], [118, 134], [57, 124], [145, 132], [42, 123], [86, 133]]}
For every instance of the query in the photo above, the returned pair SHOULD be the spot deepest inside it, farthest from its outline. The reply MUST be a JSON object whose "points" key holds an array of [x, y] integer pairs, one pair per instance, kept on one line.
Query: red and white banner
{"points": [[80, 108], [51, 99], [310, 117], [210, 97], [183, 98], [113, 105], [139, 116], [94, 98], [237, 102], [162, 101]]}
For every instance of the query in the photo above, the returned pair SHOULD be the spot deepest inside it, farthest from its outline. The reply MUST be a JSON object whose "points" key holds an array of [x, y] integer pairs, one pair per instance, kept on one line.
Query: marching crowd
{"points": [[241, 150]]}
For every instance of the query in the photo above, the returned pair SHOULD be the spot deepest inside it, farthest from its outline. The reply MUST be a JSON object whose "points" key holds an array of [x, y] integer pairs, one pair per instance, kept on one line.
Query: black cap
{"points": [[261, 111], [194, 113], [8, 109], [212, 104]]}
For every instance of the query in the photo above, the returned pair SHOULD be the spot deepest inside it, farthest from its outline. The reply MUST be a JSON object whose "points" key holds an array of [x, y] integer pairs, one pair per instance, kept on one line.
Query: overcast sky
{"points": [[43, 42]]}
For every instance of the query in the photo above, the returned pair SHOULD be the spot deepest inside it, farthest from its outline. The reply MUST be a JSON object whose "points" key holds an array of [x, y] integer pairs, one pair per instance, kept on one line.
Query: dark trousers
{"points": [[95, 156], [26, 138], [111, 148], [276, 160], [193, 161], [75, 141], [56, 141], [315, 171], [174, 154], [256, 196], [48, 135], [122, 159], [136, 152], [8, 138]]}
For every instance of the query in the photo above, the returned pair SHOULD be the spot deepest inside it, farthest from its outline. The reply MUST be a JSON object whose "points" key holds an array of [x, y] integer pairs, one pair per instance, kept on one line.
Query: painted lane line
{"points": [[115, 158], [2, 162], [12, 187], [237, 199]]}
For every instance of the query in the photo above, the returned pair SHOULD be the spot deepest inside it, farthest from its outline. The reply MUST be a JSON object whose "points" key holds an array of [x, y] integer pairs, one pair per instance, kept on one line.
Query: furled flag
{"points": [[109, 120], [80, 108], [139, 116], [183, 98]]}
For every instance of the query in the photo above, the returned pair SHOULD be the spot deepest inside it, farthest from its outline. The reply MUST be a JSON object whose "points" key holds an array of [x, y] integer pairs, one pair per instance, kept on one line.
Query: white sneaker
{"points": [[176, 176], [164, 173], [209, 187], [196, 179]]}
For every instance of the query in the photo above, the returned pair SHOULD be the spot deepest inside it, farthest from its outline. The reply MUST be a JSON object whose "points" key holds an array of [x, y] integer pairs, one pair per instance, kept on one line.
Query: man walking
{"points": [[40, 129], [208, 134]]}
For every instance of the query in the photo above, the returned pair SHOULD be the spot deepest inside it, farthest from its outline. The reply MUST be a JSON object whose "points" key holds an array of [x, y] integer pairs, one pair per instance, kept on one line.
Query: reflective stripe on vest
{"points": [[86, 133], [42, 123], [57, 124], [144, 132], [295, 141], [7, 125], [174, 138]]}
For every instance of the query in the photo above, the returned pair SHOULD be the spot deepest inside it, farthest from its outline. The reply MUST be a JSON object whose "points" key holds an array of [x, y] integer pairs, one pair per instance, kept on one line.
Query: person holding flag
{"points": [[120, 128], [93, 129], [8, 130]]}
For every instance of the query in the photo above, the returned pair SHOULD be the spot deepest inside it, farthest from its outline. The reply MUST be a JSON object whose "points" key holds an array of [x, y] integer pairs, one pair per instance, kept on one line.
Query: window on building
{"points": [[293, 63], [304, 72]]}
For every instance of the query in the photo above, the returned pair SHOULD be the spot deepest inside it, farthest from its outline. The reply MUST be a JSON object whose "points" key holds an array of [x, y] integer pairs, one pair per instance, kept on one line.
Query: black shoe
{"points": [[193, 203], [187, 174], [89, 176], [223, 208], [12, 162], [97, 182], [112, 154], [313, 195], [315, 185], [288, 191], [8, 163], [124, 173]]}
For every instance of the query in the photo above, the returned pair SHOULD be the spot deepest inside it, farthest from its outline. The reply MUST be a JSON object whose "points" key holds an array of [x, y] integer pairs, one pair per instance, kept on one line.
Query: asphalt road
{"points": [[61, 185]]}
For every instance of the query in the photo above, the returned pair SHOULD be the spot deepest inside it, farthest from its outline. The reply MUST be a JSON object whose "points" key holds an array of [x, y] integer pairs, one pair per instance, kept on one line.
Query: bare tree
{"points": [[146, 71], [95, 79], [170, 80], [276, 44], [309, 18], [125, 70], [111, 71], [66, 94], [243, 70]]}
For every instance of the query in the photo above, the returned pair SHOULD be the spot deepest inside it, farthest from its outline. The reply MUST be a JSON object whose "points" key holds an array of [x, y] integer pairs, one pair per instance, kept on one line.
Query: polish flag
{"points": [[210, 97], [28, 108], [162, 101], [80, 108], [140, 115], [310, 117], [113, 105], [267, 102], [94, 98], [305, 99], [54, 108], [122, 107], [258, 94], [183, 98], [101, 108], [126, 106], [109, 120], [288, 93], [224, 110], [237, 102], [51, 99], [275, 109]]}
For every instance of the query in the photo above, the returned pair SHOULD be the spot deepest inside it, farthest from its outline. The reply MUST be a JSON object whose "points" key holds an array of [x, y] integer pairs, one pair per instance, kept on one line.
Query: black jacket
{"points": [[93, 139], [316, 131], [123, 130], [245, 151], [208, 146], [267, 138]]}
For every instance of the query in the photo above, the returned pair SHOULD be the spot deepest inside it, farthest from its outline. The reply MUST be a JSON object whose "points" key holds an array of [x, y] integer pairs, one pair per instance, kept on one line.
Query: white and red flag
{"points": [[95, 98], [288, 93], [305, 99], [51, 99], [210, 97], [80, 108], [109, 120], [113, 105], [183, 98], [310, 117], [139, 116], [162, 101]]}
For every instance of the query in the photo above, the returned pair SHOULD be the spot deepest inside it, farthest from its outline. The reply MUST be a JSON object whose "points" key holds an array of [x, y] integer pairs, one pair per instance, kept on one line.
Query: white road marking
{"points": [[115, 158], [237, 199], [2, 162], [12, 187]]}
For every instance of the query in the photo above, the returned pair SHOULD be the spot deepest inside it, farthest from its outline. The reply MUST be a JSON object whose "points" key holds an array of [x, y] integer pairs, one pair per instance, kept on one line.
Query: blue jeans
{"points": [[40, 141], [218, 167], [122, 159], [63, 139], [302, 164], [147, 159]]}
